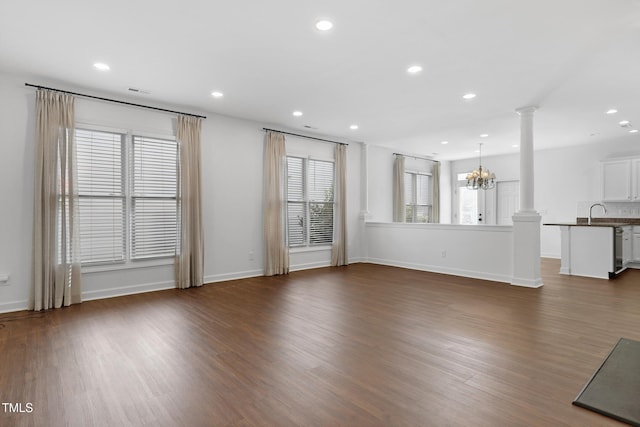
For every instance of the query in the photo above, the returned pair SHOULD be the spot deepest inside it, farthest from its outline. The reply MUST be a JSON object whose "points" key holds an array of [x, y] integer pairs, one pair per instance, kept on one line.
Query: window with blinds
{"points": [[309, 201], [154, 202], [101, 195], [296, 203], [417, 193], [127, 189]]}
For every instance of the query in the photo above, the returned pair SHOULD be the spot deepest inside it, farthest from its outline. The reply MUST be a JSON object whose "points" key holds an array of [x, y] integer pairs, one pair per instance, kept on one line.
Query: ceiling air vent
{"points": [[136, 90]]}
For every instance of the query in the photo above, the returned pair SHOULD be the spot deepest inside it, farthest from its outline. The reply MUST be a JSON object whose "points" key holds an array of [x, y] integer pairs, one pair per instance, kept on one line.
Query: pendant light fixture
{"points": [[481, 179]]}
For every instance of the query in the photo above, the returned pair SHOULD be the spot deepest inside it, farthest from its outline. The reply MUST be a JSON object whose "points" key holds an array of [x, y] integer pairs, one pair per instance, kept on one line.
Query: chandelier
{"points": [[481, 179]]}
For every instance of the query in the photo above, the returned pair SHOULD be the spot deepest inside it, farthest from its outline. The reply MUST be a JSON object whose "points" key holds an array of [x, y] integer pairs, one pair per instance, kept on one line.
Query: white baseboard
{"points": [[443, 270], [8, 307], [526, 283], [356, 260], [127, 290], [232, 276], [550, 255]]}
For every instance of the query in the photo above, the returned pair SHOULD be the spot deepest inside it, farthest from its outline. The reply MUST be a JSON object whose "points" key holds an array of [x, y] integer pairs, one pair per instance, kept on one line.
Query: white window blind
{"points": [[309, 201], [417, 197], [154, 202], [127, 189], [320, 202], [101, 195], [296, 204]]}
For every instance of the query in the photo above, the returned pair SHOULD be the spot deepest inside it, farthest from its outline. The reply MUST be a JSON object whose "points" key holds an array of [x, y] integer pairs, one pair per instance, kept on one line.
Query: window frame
{"points": [[127, 169], [414, 199], [306, 202]]}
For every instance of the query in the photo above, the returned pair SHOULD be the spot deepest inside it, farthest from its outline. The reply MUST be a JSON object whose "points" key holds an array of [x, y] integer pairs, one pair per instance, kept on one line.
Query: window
{"points": [[127, 189], [417, 196], [309, 202], [468, 202], [154, 201]]}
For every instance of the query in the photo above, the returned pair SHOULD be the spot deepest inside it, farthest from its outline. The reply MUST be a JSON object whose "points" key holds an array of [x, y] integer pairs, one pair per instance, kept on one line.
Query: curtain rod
{"points": [[115, 101], [305, 136], [416, 157]]}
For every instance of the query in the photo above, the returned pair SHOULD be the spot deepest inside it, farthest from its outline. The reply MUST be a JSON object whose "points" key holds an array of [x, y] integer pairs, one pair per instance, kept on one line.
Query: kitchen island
{"points": [[601, 249]]}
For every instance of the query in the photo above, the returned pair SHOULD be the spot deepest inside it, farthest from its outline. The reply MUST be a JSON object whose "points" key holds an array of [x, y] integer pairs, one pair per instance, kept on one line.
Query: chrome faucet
{"points": [[596, 204]]}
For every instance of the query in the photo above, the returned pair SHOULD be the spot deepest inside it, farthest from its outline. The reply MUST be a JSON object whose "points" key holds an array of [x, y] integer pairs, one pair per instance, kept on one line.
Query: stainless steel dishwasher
{"points": [[617, 252]]}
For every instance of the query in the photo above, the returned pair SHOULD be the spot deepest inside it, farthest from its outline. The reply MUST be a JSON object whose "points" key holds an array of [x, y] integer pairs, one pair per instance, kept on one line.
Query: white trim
{"points": [[100, 128], [452, 227], [127, 290], [303, 249], [127, 131], [310, 265], [133, 264], [417, 172], [9, 307], [527, 283], [550, 255], [214, 278], [443, 270]]}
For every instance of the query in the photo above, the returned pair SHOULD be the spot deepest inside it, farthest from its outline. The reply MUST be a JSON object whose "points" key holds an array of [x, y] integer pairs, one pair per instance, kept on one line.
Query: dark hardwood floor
{"points": [[363, 345]]}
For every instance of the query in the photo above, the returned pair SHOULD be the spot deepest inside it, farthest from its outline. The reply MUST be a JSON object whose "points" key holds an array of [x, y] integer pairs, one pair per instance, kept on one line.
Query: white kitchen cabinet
{"points": [[635, 177], [590, 251], [617, 180]]}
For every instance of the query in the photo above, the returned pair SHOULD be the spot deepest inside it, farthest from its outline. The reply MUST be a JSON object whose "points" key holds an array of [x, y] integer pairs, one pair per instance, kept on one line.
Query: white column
{"points": [[364, 181], [364, 200], [526, 158], [526, 222]]}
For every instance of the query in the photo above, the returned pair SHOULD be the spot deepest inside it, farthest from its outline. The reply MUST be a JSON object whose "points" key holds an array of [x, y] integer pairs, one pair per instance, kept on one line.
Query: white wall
{"points": [[483, 252], [564, 179], [232, 170], [380, 188], [17, 125]]}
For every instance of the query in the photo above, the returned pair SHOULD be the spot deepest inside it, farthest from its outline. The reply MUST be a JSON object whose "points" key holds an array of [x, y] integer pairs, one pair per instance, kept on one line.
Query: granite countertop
{"points": [[600, 222]]}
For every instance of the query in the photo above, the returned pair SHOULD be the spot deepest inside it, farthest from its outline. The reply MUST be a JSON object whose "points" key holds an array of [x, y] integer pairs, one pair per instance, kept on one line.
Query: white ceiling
{"points": [[574, 59]]}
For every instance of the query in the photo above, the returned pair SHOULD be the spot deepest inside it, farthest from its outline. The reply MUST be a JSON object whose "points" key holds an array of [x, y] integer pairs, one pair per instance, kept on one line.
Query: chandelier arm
{"points": [[476, 180]]}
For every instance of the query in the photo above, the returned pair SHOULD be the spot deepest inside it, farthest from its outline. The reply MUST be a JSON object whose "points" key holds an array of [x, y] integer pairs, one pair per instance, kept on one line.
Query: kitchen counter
{"points": [[600, 222], [601, 249], [593, 224]]}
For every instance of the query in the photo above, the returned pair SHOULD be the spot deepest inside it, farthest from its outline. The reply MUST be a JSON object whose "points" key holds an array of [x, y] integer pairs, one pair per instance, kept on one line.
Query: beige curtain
{"points": [[276, 252], [56, 266], [399, 214], [189, 266], [435, 193], [339, 248]]}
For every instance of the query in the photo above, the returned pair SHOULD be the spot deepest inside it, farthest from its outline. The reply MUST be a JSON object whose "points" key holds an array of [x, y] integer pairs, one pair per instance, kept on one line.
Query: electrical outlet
{"points": [[4, 280], [444, 254], [250, 255]]}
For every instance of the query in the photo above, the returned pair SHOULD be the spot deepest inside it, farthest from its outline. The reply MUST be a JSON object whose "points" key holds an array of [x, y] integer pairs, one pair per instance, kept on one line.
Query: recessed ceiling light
{"points": [[297, 113], [444, 142], [101, 66], [624, 123], [484, 135], [633, 131], [353, 127], [515, 146], [469, 96], [414, 69], [324, 25], [612, 111], [217, 94]]}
